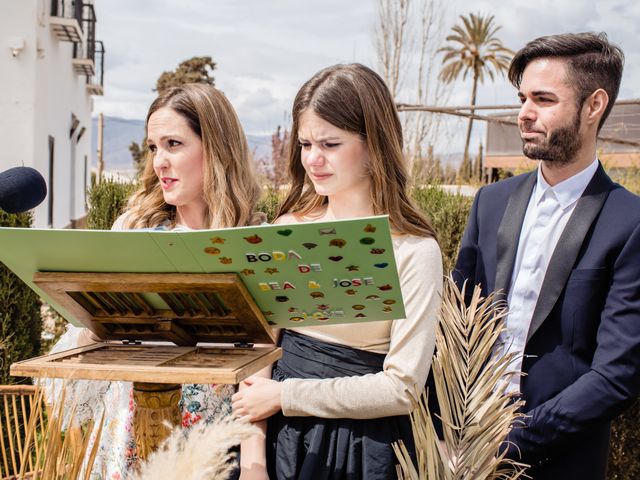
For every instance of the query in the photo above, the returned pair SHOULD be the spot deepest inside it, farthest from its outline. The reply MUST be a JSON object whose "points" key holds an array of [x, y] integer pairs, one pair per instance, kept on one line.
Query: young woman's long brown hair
{"points": [[354, 98], [230, 186]]}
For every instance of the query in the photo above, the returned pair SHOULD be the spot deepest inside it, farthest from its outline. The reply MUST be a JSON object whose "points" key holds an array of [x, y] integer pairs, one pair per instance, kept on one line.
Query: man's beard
{"points": [[561, 146]]}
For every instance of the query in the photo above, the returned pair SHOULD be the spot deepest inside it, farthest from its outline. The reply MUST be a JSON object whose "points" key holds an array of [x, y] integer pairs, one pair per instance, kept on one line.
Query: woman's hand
{"points": [[258, 399], [254, 473]]}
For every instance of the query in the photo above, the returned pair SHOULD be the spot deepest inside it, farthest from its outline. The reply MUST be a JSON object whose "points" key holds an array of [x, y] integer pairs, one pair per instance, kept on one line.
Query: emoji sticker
{"points": [[323, 306], [335, 258], [217, 240], [247, 271], [296, 319], [292, 310], [309, 245], [389, 302], [377, 251], [387, 309], [337, 242], [282, 299], [327, 231], [358, 307], [369, 228], [372, 297], [317, 295], [367, 241], [285, 233], [353, 268], [271, 270], [225, 260], [253, 239], [350, 291], [361, 315], [381, 265], [212, 251], [385, 288]]}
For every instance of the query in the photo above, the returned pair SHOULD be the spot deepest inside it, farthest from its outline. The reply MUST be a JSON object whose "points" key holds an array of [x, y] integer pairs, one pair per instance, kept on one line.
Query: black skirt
{"points": [[325, 448]]}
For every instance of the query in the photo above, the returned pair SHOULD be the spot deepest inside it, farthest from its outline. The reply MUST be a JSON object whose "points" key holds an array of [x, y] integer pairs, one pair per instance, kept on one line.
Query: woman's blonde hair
{"points": [[354, 98], [230, 186]]}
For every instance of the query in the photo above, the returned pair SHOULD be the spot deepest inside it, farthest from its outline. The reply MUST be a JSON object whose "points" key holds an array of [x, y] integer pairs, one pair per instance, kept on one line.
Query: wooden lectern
{"points": [[127, 310]]}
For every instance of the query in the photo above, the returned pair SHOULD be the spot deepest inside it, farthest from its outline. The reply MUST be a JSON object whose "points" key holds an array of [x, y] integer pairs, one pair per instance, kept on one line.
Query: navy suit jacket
{"points": [[582, 357]]}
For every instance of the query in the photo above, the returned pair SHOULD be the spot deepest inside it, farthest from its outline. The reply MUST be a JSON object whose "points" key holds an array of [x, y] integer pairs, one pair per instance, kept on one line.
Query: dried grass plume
{"points": [[199, 453]]}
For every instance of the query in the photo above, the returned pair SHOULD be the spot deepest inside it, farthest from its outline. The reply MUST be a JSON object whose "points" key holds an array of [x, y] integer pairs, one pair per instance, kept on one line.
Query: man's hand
{"points": [[258, 398]]}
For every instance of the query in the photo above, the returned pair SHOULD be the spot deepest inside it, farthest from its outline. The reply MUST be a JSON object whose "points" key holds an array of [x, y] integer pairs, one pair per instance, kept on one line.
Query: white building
{"points": [[50, 66]]}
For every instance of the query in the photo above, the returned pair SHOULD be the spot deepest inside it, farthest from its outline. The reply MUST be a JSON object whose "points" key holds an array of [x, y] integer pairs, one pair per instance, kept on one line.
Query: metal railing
{"points": [[98, 78], [86, 49], [68, 9]]}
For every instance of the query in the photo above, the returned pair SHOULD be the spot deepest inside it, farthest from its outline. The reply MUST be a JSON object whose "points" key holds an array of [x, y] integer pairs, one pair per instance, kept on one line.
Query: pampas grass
{"points": [[199, 453], [469, 378]]}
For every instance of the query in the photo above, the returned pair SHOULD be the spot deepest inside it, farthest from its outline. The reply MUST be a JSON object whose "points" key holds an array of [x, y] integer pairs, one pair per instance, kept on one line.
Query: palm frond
{"points": [[58, 454], [474, 39], [476, 413]]}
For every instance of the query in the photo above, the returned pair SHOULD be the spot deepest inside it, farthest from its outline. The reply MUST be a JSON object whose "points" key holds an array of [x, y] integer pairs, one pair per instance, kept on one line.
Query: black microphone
{"points": [[21, 189]]}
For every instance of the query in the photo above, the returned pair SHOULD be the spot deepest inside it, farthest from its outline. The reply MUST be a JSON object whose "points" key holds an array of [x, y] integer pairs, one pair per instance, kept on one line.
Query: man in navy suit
{"points": [[563, 245]]}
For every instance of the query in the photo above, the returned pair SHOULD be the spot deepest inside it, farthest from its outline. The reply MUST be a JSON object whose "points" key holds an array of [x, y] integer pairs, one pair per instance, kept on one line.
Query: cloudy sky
{"points": [[265, 50]]}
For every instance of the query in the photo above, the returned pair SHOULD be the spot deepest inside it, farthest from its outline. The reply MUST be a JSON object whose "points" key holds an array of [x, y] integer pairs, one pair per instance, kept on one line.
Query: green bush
{"points": [[448, 215], [107, 200], [269, 202], [20, 323]]}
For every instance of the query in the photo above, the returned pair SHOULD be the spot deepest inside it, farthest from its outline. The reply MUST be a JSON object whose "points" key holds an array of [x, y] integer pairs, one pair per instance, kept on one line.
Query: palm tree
{"points": [[474, 49]]}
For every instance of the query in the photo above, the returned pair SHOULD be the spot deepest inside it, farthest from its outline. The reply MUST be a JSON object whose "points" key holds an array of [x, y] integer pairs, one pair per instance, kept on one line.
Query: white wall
{"points": [[38, 93]]}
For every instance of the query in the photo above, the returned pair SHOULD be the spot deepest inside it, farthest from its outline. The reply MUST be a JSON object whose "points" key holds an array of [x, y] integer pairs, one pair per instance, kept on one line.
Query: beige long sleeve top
{"points": [[408, 344]]}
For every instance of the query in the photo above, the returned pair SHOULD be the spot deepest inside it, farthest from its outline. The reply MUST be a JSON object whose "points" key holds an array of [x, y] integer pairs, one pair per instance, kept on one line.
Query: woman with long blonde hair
{"points": [[341, 394], [198, 175]]}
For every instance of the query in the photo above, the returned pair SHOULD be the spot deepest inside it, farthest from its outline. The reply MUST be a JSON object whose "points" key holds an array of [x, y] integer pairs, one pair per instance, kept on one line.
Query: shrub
{"points": [[269, 202], [448, 215], [20, 323], [107, 200]]}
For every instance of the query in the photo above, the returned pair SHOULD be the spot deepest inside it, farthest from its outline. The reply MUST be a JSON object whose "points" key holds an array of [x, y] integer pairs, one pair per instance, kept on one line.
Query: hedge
{"points": [[20, 323]]}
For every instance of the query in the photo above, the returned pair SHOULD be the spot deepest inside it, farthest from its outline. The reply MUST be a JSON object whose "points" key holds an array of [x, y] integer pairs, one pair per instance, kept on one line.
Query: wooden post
{"points": [[100, 148]]}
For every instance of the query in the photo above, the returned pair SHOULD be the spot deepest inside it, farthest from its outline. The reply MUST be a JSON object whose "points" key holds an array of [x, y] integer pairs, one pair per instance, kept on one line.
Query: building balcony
{"points": [[95, 83], [66, 20]]}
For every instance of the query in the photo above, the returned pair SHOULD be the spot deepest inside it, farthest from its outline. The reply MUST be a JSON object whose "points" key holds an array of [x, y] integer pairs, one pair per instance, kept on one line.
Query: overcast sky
{"points": [[265, 50]]}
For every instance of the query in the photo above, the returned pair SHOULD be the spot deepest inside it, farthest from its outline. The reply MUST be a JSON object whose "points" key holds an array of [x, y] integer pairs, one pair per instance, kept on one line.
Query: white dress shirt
{"points": [[547, 214]]}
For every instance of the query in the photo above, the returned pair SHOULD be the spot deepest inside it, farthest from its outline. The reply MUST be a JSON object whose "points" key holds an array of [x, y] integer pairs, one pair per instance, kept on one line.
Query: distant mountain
{"points": [[120, 132]]}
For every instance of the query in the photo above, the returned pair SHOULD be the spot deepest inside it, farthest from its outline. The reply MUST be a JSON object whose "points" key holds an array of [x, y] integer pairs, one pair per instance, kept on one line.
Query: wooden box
{"points": [[126, 309]]}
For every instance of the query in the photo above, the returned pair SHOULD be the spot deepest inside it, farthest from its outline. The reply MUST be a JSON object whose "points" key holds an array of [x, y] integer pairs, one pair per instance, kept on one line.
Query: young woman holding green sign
{"points": [[341, 394], [198, 175]]}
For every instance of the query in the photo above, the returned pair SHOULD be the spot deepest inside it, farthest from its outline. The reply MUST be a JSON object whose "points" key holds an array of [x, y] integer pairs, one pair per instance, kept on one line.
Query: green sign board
{"points": [[299, 275]]}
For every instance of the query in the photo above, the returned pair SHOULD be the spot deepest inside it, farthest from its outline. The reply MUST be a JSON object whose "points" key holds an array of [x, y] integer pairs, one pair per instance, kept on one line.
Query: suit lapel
{"points": [[569, 244], [509, 233]]}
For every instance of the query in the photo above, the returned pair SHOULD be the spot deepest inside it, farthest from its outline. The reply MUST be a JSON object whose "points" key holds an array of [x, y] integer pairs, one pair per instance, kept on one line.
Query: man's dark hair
{"points": [[592, 62]]}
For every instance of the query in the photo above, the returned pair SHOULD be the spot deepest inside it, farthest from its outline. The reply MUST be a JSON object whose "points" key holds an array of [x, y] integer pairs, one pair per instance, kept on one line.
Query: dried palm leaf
{"points": [[57, 454], [476, 413]]}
